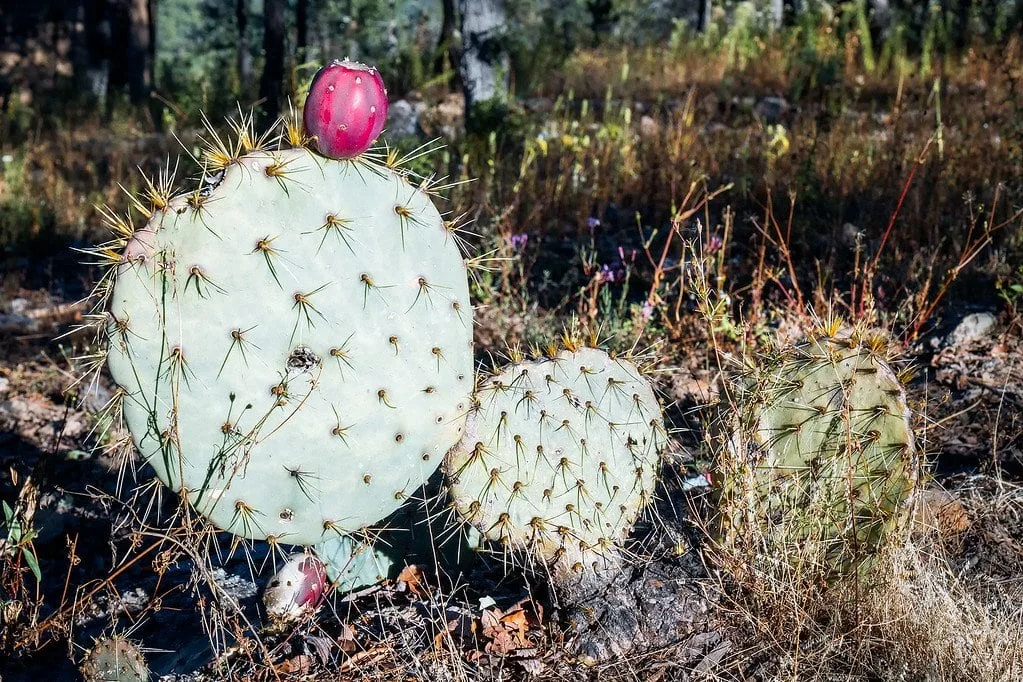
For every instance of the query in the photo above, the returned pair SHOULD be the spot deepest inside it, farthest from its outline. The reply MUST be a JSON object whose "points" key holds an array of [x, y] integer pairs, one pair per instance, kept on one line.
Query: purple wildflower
{"points": [[518, 241]]}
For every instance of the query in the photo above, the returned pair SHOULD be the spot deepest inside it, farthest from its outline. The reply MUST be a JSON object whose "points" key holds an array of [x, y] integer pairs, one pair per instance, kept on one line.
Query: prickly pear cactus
{"points": [[819, 457], [559, 458], [293, 342], [114, 659], [353, 562]]}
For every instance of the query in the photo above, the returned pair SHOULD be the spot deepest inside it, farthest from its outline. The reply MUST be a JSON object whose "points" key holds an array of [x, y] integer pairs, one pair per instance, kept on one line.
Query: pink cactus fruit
{"points": [[346, 109], [299, 586]]}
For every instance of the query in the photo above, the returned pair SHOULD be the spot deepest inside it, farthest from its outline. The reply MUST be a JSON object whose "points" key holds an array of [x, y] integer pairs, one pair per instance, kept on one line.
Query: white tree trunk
{"points": [[484, 64]]}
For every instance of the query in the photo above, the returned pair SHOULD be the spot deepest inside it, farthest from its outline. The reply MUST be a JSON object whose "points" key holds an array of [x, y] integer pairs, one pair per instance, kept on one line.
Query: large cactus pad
{"points": [[294, 344], [559, 457]]}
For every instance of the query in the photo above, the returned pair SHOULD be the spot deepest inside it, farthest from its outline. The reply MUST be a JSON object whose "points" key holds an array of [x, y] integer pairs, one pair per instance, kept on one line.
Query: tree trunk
{"points": [[706, 12], [155, 103], [776, 13], [243, 57], [301, 30], [963, 33], [271, 84], [485, 63], [447, 46], [98, 47], [139, 51]]}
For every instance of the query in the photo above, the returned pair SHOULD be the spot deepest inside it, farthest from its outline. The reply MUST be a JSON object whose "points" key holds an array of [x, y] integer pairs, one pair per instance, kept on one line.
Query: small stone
{"points": [[402, 119], [972, 327], [771, 109], [648, 126], [850, 234], [938, 510], [18, 306]]}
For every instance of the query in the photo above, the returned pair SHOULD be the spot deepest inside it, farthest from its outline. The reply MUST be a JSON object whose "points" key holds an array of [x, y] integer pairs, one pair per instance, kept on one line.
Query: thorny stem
{"points": [[970, 251], [680, 216], [52, 619]]}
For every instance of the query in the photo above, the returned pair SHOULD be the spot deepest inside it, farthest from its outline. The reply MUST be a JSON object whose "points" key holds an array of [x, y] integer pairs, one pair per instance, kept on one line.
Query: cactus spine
{"points": [[819, 457], [559, 458]]}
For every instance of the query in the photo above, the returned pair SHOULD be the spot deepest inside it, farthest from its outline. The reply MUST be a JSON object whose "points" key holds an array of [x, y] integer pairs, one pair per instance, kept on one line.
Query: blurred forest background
{"points": [[87, 53]]}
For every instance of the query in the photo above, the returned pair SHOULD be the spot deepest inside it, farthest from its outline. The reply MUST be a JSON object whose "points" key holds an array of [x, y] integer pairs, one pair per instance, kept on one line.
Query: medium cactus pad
{"points": [[822, 459], [559, 457], [294, 343]]}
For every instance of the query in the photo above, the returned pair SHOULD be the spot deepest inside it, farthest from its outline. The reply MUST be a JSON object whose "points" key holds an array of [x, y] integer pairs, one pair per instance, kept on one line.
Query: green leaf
{"points": [[30, 559]]}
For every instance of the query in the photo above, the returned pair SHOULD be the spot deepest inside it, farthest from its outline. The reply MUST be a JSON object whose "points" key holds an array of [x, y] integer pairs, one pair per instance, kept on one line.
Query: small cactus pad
{"points": [[822, 458], [415, 534], [114, 659], [352, 563], [294, 344], [559, 457]]}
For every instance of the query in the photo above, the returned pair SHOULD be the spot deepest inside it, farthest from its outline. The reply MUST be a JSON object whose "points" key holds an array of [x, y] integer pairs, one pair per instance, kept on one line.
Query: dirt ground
{"points": [[657, 622]]}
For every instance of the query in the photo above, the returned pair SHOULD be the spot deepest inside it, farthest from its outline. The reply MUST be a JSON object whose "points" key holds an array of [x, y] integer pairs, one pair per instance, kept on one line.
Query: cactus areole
{"points": [[293, 344], [346, 109]]}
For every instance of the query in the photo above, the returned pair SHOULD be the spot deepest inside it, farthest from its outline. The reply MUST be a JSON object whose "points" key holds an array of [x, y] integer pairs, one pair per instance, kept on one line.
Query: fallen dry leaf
{"points": [[298, 664], [411, 578]]}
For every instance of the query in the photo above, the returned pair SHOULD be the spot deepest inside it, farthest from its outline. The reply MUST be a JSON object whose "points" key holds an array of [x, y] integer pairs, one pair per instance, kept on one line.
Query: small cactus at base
{"points": [[818, 457], [114, 659], [352, 563], [415, 534], [559, 458]]}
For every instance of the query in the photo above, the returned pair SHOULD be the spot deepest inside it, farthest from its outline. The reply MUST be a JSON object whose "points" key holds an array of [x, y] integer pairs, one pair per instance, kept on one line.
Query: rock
{"points": [[651, 607], [18, 306], [939, 511], [648, 126], [850, 234], [402, 119], [18, 324], [972, 327], [771, 109], [444, 119]]}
